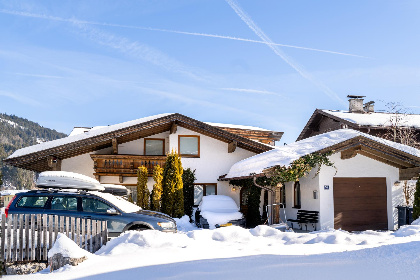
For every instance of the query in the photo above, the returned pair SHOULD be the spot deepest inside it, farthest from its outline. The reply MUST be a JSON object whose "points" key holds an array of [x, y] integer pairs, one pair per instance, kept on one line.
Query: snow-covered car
{"points": [[218, 211]]}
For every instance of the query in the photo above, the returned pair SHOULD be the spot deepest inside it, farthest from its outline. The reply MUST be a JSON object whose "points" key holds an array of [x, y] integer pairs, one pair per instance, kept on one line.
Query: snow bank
{"points": [[131, 241], [67, 248], [408, 230], [183, 224]]}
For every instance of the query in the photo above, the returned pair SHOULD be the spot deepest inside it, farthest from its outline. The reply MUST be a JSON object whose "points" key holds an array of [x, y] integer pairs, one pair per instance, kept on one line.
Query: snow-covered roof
{"points": [[81, 136], [246, 127], [285, 155], [375, 119]]}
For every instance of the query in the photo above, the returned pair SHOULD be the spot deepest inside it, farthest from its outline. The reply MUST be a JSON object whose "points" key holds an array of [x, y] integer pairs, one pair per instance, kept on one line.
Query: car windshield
{"points": [[123, 205]]}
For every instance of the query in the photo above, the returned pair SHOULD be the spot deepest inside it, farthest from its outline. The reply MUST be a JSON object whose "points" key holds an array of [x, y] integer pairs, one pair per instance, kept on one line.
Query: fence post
{"points": [[77, 240], [15, 224], [27, 258], [39, 234], [9, 237], [20, 256], [93, 238], [3, 236], [50, 231], [44, 227], [55, 228], [89, 235], [72, 229], [33, 229], [83, 241]]}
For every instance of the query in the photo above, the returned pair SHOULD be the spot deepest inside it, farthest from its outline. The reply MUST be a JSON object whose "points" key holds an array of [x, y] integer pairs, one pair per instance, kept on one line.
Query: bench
{"points": [[306, 217]]}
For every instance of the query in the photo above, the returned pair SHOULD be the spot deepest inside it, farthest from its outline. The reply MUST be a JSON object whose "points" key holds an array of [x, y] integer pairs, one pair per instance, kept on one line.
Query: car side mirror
{"points": [[112, 211]]}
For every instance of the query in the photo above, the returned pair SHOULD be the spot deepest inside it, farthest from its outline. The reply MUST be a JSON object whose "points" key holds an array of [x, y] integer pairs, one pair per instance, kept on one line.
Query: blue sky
{"points": [[261, 63]]}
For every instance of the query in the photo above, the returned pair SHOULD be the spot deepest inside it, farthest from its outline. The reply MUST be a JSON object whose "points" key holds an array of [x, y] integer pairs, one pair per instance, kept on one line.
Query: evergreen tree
{"points": [[253, 217], [416, 203], [142, 190], [172, 192], [188, 179], [156, 196]]}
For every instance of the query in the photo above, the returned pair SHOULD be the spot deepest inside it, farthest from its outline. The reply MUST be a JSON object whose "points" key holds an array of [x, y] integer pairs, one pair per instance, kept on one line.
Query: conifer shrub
{"points": [[142, 190], [155, 199], [188, 179], [172, 188]]}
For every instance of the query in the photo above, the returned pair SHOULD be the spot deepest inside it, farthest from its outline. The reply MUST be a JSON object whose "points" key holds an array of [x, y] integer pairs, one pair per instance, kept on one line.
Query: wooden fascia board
{"points": [[105, 140]]}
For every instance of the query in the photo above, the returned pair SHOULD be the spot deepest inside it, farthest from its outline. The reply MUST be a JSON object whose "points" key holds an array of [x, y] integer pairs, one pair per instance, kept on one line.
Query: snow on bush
{"points": [[67, 248], [232, 234], [416, 222]]}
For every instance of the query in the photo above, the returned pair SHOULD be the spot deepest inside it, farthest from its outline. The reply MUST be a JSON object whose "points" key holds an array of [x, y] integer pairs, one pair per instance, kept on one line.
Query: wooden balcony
{"points": [[124, 165]]}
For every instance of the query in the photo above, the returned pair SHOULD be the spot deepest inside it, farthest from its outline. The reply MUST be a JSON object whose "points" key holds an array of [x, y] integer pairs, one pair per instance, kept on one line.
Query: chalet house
{"points": [[112, 154], [360, 193], [360, 116]]}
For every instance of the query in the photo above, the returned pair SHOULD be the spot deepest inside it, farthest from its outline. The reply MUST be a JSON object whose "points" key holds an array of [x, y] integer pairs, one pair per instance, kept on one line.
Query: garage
{"points": [[360, 204]]}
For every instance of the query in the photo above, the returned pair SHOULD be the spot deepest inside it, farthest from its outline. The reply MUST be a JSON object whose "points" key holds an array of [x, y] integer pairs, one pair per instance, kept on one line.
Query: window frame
{"points": [[204, 189], [160, 139], [297, 195], [189, 155]]}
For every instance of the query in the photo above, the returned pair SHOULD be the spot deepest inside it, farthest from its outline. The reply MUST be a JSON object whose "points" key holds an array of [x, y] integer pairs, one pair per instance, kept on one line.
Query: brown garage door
{"points": [[360, 204]]}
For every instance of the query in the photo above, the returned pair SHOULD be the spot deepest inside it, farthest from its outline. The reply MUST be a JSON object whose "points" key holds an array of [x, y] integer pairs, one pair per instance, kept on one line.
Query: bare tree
{"points": [[398, 128]]}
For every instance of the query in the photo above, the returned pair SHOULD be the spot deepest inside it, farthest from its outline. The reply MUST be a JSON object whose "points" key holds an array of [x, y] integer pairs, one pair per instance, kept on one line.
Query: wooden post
{"points": [[20, 226], [39, 235], [50, 231], [56, 224], [232, 146], [15, 231], [78, 231], [114, 146], [98, 235], [27, 256], [3, 236], [67, 226], [83, 241], [88, 235], [277, 200], [72, 229], [9, 238], [93, 238], [104, 232], [33, 244], [44, 228]]}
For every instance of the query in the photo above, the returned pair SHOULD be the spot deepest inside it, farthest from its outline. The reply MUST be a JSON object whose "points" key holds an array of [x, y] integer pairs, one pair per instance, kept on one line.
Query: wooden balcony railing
{"points": [[124, 165]]}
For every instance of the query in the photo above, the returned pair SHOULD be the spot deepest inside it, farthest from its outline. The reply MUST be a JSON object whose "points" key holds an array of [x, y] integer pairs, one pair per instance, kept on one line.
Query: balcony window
{"points": [[154, 147], [201, 190], [189, 146]]}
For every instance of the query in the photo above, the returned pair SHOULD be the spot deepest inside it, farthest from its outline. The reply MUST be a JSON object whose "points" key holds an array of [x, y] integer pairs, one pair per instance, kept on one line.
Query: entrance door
{"points": [[244, 200], [360, 204]]}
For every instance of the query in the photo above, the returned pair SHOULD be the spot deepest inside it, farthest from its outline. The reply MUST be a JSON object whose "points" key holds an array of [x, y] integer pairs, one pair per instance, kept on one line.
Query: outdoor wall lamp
{"points": [[233, 189]]}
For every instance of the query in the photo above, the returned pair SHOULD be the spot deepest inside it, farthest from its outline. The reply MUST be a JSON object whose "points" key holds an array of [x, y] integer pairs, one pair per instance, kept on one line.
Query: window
{"points": [[296, 195], [201, 190], [64, 203], [154, 147], [32, 201], [94, 205], [189, 146]]}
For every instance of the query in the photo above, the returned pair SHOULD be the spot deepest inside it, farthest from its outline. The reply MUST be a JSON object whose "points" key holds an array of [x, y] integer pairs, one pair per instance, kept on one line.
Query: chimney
{"points": [[369, 107], [355, 103]]}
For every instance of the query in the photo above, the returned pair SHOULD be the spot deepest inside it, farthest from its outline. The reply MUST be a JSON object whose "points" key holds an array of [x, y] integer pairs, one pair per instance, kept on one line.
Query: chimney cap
{"points": [[355, 96]]}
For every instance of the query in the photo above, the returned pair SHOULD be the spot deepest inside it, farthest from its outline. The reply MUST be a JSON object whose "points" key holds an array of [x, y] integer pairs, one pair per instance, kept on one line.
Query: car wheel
{"points": [[139, 228]]}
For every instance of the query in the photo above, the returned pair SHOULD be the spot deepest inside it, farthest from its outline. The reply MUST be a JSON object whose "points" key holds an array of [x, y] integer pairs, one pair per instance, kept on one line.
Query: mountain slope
{"points": [[16, 133]]}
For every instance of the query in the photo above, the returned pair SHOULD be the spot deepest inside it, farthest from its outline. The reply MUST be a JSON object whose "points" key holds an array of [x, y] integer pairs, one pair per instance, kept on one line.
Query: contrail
{"points": [[245, 18], [73, 20]]}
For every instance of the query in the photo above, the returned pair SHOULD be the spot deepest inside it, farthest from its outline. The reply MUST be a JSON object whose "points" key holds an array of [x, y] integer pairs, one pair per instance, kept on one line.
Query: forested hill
{"points": [[16, 133]]}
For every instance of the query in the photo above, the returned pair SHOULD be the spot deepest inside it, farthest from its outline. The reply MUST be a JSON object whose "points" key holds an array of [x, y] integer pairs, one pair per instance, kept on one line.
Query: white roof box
{"points": [[67, 180]]}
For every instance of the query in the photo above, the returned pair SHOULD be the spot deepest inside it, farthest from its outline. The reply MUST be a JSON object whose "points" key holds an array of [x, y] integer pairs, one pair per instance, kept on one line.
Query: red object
{"points": [[6, 211]]}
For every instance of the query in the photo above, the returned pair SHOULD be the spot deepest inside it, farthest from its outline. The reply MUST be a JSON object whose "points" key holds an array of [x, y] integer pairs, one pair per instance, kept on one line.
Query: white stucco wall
{"points": [[214, 160], [359, 166]]}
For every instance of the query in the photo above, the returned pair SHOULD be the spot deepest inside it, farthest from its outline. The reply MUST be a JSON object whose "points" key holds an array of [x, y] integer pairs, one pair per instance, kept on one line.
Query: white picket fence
{"points": [[28, 237]]}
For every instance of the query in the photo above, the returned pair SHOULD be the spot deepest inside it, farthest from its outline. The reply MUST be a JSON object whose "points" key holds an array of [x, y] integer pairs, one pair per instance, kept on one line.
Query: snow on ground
{"points": [[262, 252]]}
